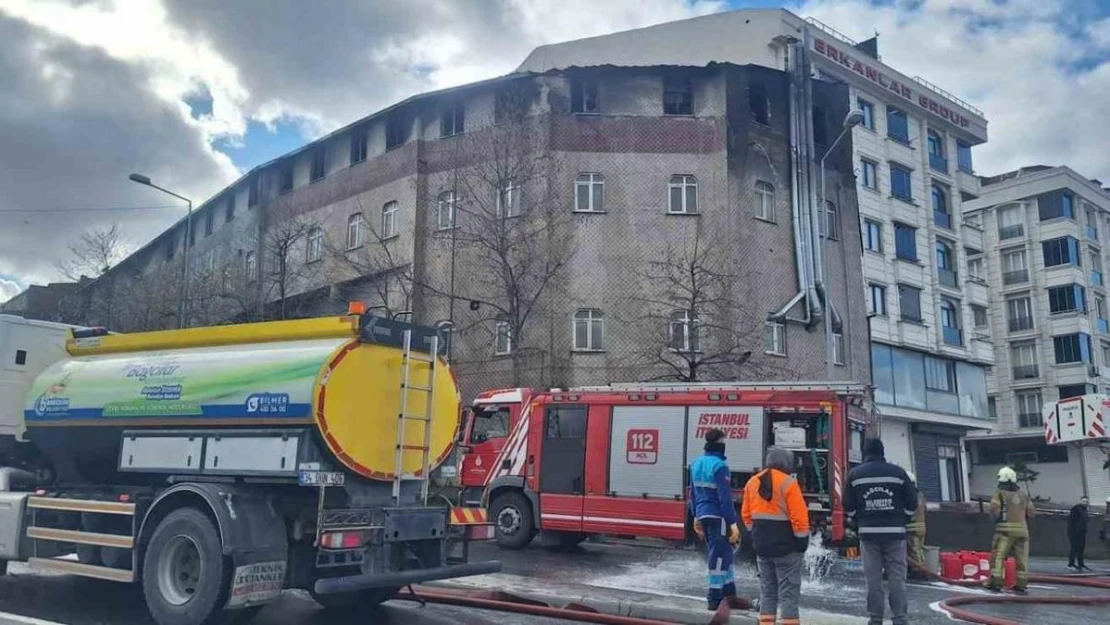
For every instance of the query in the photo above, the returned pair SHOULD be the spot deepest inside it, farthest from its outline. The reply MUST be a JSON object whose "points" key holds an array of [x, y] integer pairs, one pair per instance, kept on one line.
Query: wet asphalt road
{"points": [[595, 570]]}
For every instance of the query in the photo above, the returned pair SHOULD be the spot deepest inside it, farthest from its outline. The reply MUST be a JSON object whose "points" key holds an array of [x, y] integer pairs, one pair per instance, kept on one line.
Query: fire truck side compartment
{"points": [[640, 466]]}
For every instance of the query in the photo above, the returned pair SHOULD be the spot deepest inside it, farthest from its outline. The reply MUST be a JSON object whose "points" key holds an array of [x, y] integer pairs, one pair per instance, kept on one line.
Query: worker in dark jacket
{"points": [[775, 513], [714, 515], [879, 501], [1077, 534]]}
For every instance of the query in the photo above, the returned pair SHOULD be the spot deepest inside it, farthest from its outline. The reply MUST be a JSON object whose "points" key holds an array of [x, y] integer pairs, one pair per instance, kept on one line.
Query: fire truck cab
{"points": [[613, 460]]}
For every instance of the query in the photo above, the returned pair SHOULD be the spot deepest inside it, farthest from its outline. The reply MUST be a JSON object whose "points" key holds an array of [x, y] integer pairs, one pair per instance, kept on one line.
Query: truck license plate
{"points": [[321, 478]]}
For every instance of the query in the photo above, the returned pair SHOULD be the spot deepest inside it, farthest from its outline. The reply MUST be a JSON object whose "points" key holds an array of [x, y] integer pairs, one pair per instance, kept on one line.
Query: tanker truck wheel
{"points": [[513, 520], [185, 575]]}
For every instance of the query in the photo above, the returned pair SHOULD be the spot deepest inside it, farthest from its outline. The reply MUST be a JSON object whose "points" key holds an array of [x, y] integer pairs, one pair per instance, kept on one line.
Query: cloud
{"points": [[1040, 69], [8, 289]]}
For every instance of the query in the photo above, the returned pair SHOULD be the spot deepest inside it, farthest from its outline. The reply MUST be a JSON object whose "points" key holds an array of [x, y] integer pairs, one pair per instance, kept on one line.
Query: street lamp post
{"points": [[851, 120], [183, 293]]}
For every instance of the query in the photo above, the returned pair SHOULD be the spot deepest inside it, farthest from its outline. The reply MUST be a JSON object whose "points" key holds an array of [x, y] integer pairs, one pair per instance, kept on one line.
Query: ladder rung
{"points": [[77, 568], [414, 448], [424, 389], [411, 356], [413, 417]]}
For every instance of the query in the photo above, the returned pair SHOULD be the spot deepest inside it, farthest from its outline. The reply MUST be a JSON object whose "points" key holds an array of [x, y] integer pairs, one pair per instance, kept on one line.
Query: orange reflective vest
{"points": [[775, 513]]}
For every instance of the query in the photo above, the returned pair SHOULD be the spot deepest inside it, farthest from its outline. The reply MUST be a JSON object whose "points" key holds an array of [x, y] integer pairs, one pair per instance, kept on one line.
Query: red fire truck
{"points": [[569, 463]]}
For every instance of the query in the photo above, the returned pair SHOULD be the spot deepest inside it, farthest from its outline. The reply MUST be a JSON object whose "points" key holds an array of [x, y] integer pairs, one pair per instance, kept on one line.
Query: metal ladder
{"points": [[409, 360]]}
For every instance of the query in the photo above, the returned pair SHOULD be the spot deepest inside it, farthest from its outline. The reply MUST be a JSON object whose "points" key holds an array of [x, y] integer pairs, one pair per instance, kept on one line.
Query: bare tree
{"points": [[696, 327], [94, 253], [373, 259], [284, 272]]}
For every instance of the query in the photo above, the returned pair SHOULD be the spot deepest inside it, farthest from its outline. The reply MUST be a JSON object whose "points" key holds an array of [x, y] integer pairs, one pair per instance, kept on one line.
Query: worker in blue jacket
{"points": [[715, 520]]}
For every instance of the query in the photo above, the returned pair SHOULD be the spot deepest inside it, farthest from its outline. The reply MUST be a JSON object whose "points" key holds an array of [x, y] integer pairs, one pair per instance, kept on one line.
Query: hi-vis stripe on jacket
{"points": [[775, 512]]}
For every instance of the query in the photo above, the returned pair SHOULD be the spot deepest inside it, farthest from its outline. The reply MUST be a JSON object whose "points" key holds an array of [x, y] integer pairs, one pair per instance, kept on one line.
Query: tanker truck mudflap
{"points": [[252, 533]]}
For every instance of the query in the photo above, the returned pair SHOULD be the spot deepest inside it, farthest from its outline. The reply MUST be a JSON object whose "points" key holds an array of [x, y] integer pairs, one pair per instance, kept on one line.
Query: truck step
{"points": [[54, 565], [84, 538], [81, 505]]}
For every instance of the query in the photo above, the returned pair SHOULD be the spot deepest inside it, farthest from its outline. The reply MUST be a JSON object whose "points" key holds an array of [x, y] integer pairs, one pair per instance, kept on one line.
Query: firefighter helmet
{"points": [[1006, 474]]}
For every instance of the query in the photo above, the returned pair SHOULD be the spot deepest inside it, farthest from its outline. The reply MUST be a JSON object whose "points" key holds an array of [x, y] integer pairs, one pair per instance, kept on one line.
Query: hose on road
{"points": [[953, 606]]}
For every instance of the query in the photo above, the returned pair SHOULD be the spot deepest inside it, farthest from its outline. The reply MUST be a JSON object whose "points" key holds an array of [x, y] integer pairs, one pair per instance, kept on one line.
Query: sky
{"points": [[192, 93]]}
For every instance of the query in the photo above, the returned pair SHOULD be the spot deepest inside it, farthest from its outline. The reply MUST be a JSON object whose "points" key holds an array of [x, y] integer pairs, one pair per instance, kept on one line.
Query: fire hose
{"points": [[954, 605]]}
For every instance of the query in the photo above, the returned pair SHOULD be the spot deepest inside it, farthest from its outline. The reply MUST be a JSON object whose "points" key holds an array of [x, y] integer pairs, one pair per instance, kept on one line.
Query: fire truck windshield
{"points": [[489, 422]]}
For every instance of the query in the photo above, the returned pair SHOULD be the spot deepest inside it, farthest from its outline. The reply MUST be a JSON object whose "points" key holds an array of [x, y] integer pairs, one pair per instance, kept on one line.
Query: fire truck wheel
{"points": [[513, 519], [185, 574]]}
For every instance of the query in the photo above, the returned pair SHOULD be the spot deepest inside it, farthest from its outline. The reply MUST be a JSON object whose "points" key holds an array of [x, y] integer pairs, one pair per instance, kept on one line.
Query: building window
{"points": [[1019, 313], [359, 139], [1068, 391], [250, 266], [678, 96], [946, 264], [868, 110], [937, 160], [1061, 251], [503, 340], [253, 191], [682, 331], [900, 182], [1072, 348], [838, 348], [589, 330], [940, 374], [1010, 222], [508, 200], [445, 210], [319, 164], [314, 249], [897, 125], [396, 131], [229, 211], [759, 104], [209, 222], [963, 157], [765, 200], [868, 171], [1029, 409], [979, 314], [872, 236], [452, 121], [1105, 354], [589, 193], [950, 323], [1014, 268], [1100, 312], [356, 223], [1068, 298], [1023, 359], [389, 220], [941, 215], [1055, 205], [683, 195], [975, 268], [774, 338], [992, 407], [905, 242], [583, 96], [909, 301], [285, 177], [831, 223], [876, 299]]}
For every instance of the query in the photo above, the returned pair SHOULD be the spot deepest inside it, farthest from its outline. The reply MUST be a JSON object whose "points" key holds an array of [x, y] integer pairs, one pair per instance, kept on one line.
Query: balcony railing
{"points": [[1020, 324], [1012, 231], [1026, 372], [1096, 277], [1103, 326], [953, 336], [942, 219], [1015, 277], [1091, 233], [938, 162], [947, 277]]}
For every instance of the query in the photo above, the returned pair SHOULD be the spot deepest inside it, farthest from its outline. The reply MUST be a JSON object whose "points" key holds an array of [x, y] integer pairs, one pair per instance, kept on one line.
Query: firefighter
{"points": [[776, 515], [1011, 508], [915, 535], [714, 516]]}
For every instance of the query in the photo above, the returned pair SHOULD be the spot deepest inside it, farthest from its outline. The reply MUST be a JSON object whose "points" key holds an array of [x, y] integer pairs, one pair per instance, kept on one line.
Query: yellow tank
{"points": [[319, 372]]}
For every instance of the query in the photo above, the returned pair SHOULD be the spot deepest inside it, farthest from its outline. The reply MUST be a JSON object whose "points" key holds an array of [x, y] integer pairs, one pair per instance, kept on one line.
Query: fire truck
{"points": [[566, 464]]}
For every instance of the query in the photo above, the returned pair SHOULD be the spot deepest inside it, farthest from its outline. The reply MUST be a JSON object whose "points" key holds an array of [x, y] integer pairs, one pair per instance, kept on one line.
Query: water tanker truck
{"points": [[218, 466]]}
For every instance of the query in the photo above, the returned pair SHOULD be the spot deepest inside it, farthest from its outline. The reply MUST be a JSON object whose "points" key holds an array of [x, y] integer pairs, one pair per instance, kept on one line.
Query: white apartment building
{"points": [[914, 169], [1044, 234]]}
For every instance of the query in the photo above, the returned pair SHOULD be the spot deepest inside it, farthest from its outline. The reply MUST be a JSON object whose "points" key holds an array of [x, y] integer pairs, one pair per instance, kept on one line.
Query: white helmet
{"points": [[1006, 474], [913, 478]]}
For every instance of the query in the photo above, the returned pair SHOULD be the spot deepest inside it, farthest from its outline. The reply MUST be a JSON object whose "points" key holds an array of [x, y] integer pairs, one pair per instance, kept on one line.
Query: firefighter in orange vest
{"points": [[775, 513]]}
